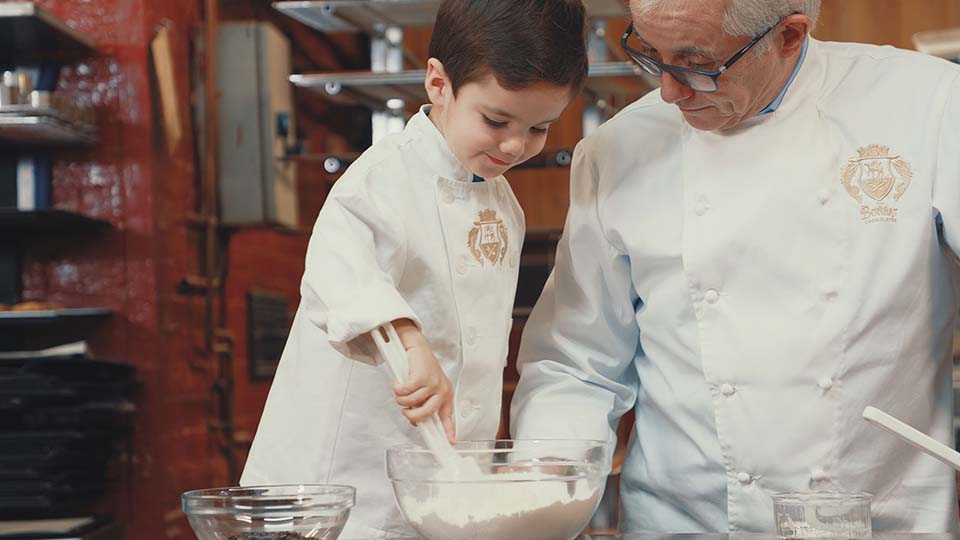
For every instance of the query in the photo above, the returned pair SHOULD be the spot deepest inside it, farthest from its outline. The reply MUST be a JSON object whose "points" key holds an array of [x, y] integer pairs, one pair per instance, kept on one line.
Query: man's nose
{"points": [[672, 91]]}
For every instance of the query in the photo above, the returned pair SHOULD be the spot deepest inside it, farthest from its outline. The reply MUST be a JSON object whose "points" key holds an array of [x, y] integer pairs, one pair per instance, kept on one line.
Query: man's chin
{"points": [[701, 121]]}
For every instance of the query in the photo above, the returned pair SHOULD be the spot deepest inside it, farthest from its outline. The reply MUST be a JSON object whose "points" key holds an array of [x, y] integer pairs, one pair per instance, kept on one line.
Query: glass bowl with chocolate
{"points": [[281, 512]]}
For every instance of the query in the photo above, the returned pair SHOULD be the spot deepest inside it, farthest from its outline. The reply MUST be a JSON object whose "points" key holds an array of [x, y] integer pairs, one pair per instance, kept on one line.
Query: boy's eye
{"points": [[493, 123], [539, 130]]}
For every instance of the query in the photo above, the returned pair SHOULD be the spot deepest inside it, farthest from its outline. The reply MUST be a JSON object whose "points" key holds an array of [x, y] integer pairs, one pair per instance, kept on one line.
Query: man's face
{"points": [[689, 34], [490, 128]]}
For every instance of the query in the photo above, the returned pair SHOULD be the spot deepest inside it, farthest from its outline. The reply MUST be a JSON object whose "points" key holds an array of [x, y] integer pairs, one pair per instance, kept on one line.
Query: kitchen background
{"points": [[122, 236]]}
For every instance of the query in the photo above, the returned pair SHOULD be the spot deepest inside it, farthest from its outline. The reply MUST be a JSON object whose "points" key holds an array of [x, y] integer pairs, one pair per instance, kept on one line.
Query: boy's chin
{"points": [[489, 170]]}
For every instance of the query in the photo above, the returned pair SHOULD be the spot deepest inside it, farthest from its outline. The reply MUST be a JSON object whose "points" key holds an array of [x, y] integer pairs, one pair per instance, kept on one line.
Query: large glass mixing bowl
{"points": [[283, 512], [529, 489]]}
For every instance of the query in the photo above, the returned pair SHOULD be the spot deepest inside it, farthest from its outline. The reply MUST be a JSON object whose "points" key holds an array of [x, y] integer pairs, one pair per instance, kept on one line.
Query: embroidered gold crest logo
{"points": [[872, 177], [488, 240]]}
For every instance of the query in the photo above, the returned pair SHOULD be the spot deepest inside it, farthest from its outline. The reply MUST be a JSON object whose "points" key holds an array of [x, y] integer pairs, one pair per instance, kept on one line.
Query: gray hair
{"points": [[748, 17]]}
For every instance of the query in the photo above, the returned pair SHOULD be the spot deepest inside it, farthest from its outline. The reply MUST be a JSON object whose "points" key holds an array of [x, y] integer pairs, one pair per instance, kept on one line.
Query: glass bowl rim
{"points": [[410, 449], [205, 501], [413, 448], [822, 497]]}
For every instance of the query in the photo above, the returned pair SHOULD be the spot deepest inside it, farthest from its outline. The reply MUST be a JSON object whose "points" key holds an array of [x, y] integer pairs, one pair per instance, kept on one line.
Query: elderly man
{"points": [[752, 255]]}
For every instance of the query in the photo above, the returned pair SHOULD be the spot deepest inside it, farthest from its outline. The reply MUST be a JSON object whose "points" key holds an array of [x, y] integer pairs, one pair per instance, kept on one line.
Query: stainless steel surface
{"points": [[371, 15], [257, 184]]}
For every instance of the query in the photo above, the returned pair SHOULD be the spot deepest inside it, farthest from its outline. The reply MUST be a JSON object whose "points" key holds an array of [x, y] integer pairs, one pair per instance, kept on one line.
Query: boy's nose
{"points": [[513, 147]]}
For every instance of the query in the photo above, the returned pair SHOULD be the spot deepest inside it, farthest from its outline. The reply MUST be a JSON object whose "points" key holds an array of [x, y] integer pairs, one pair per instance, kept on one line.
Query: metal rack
{"points": [[29, 35], [387, 88], [371, 15], [24, 124], [46, 316], [28, 32], [51, 220], [370, 87]]}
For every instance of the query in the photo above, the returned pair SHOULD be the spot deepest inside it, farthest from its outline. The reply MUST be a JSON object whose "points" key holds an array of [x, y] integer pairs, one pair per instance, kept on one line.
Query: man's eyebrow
{"points": [[695, 51], [683, 51]]}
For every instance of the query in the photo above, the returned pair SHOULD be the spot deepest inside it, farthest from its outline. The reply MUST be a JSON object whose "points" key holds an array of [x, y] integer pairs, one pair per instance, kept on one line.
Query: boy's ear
{"points": [[437, 84]]}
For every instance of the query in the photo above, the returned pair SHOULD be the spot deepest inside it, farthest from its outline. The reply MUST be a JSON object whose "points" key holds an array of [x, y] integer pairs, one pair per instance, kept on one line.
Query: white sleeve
{"points": [[354, 261], [946, 189], [578, 347]]}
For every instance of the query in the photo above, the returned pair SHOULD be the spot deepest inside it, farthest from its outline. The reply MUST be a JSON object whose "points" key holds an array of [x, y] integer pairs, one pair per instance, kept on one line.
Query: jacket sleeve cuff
{"points": [[372, 306]]}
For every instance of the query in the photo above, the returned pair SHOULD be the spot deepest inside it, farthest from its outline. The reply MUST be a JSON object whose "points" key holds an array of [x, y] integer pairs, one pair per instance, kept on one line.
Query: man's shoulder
{"points": [[646, 117], [886, 60]]}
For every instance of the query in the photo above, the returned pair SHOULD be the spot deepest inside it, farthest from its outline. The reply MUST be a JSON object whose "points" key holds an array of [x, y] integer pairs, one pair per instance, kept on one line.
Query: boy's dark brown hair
{"points": [[519, 42]]}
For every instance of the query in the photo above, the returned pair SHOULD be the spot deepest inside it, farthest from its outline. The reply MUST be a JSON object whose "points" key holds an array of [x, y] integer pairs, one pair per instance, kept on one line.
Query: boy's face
{"points": [[490, 128]]}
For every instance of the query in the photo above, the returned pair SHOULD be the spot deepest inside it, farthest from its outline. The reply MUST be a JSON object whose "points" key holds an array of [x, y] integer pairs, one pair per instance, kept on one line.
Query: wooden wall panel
{"points": [[885, 22]]}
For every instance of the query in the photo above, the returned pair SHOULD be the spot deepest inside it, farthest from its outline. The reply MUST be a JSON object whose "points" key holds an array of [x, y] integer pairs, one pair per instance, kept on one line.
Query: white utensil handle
{"points": [[922, 441], [394, 355]]}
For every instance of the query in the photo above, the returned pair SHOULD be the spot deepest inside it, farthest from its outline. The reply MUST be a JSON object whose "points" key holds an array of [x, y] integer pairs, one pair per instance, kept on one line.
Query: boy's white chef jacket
{"points": [[404, 233], [750, 291]]}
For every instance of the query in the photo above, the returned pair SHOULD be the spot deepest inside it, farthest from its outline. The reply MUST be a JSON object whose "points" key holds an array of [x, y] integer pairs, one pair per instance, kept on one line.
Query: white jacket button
{"points": [[828, 293], [728, 390], [819, 475], [712, 296], [744, 478], [463, 265], [447, 196], [825, 383], [701, 208], [823, 196], [466, 409], [470, 335]]}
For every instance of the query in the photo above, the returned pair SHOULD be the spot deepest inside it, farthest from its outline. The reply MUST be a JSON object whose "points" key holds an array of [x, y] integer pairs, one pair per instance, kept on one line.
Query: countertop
{"points": [[735, 536]]}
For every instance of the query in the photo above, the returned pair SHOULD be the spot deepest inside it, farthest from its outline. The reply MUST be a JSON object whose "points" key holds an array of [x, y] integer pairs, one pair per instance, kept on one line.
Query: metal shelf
{"points": [[372, 15], [28, 32], [24, 318], [36, 126], [376, 88], [46, 221]]}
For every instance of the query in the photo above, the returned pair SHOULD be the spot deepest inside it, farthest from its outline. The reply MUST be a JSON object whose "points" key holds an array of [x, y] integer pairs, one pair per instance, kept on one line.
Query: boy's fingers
{"points": [[419, 414], [447, 422], [414, 399], [406, 388]]}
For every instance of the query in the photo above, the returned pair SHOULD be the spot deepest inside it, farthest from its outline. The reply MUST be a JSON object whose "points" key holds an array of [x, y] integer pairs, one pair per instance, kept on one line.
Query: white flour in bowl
{"points": [[516, 507]]}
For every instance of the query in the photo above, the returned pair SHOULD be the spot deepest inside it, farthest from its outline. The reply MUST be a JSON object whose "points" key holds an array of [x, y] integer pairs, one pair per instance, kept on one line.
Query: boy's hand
{"points": [[427, 389]]}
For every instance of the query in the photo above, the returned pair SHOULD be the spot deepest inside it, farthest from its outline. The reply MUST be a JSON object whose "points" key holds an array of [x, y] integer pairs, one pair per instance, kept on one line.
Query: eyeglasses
{"points": [[696, 79]]}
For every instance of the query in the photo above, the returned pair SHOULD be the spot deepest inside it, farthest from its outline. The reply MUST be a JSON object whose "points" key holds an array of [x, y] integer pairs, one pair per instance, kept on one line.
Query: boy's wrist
{"points": [[410, 336]]}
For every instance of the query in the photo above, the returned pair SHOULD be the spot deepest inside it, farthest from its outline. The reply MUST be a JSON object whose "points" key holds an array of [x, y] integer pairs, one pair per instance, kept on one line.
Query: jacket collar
{"points": [[428, 142]]}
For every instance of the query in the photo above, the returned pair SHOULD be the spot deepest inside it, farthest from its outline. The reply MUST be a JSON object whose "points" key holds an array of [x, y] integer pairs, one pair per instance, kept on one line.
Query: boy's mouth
{"points": [[498, 162]]}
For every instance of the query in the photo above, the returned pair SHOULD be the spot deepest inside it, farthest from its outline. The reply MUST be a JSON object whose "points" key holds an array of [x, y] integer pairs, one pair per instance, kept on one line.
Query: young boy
{"points": [[422, 231]]}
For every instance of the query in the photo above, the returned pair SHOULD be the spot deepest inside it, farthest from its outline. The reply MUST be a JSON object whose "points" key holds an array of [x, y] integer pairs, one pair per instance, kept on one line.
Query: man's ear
{"points": [[437, 84], [795, 30]]}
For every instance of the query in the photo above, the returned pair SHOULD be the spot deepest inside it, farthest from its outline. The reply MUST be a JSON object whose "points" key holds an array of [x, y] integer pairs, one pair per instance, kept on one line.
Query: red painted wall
{"points": [[148, 191]]}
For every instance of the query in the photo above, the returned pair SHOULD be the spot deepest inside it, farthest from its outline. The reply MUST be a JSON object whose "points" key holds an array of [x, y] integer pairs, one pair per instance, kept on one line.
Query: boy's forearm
{"points": [[409, 333]]}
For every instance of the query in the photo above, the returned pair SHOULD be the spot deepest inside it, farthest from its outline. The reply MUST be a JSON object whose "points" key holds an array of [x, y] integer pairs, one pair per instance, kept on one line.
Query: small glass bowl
{"points": [[822, 515], [281, 512]]}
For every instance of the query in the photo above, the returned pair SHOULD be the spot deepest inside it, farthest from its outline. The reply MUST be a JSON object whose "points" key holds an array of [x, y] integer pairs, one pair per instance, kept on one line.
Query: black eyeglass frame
{"points": [[648, 63]]}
